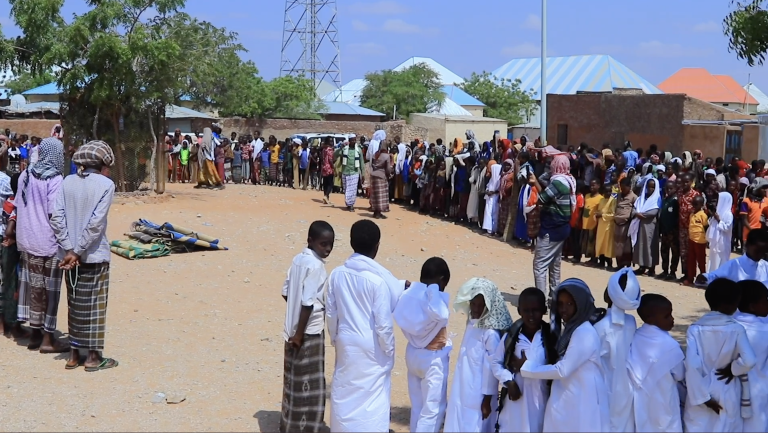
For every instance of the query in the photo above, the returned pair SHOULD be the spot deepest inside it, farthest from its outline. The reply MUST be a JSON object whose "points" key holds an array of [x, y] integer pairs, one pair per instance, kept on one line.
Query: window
{"points": [[562, 135]]}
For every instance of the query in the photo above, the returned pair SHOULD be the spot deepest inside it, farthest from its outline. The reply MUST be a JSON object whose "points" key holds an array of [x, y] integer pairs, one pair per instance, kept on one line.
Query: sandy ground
{"points": [[208, 325]]}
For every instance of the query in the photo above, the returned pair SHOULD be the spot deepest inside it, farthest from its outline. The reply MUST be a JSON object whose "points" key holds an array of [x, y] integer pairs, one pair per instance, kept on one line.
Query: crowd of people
{"points": [[587, 369], [55, 227]]}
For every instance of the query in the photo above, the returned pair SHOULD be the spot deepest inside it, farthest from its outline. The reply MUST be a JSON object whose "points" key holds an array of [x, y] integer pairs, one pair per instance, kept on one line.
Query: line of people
{"points": [[588, 369]]}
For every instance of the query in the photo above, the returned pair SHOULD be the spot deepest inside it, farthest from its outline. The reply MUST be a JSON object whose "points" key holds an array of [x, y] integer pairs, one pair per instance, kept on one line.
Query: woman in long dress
{"points": [[642, 229], [505, 195], [720, 232], [605, 228], [521, 220], [209, 176], [579, 398], [475, 191], [491, 217], [474, 392], [382, 172]]}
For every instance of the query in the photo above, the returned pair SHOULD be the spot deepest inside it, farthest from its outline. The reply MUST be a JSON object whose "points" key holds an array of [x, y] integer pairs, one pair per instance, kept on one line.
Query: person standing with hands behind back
{"points": [[79, 221], [304, 349]]}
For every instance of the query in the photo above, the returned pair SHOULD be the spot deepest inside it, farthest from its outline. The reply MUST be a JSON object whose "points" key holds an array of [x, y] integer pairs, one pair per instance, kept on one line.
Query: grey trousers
{"points": [[546, 261]]}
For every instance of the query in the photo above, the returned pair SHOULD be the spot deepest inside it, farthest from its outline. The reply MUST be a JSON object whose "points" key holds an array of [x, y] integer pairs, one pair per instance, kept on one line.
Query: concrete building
{"points": [[721, 90], [673, 122], [450, 127], [762, 98]]}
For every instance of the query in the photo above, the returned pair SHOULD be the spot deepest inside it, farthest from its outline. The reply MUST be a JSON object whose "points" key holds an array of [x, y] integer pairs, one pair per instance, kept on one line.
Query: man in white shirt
{"points": [[304, 366], [257, 145], [360, 326], [422, 314], [750, 266]]}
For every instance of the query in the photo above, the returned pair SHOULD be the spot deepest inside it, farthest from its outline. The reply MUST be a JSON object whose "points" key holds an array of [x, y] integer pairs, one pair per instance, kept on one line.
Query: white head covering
{"points": [[687, 159], [400, 157], [710, 171], [297, 141], [719, 233], [375, 143], [744, 181], [661, 167], [495, 182], [623, 300], [644, 205], [496, 314]]}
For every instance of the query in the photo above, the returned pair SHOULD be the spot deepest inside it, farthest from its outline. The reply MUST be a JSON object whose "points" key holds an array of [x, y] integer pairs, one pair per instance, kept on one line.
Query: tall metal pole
{"points": [[543, 111]]}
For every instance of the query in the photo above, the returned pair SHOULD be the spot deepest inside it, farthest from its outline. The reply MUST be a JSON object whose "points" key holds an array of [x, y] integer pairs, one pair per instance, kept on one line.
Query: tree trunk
{"points": [[119, 155], [152, 161], [162, 161], [96, 124]]}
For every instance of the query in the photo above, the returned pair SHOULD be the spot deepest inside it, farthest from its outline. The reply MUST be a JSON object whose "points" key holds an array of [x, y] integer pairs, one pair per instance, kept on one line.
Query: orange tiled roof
{"points": [[700, 84]]}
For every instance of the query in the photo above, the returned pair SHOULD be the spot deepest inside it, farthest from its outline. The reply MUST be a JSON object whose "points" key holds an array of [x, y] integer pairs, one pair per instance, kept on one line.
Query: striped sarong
{"points": [[10, 262], [304, 386], [350, 188], [39, 291], [87, 290], [379, 194]]}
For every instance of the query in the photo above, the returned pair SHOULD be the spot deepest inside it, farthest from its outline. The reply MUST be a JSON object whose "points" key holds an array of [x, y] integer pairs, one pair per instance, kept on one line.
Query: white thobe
{"points": [[757, 334], [491, 213], [710, 348], [579, 399], [655, 367], [527, 413], [615, 340], [359, 262], [473, 379], [360, 327], [741, 268], [422, 313]]}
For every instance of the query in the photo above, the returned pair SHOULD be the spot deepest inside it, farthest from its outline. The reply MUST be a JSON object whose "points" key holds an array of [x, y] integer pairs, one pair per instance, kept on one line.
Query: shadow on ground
{"points": [[400, 416]]}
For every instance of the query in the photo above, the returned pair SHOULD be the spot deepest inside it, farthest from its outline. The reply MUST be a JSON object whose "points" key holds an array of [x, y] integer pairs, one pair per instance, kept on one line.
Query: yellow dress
{"points": [[605, 228]]}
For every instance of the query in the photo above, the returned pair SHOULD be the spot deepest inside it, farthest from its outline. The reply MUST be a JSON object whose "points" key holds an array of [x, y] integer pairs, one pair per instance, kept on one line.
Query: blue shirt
{"points": [[631, 157], [304, 163], [265, 158]]}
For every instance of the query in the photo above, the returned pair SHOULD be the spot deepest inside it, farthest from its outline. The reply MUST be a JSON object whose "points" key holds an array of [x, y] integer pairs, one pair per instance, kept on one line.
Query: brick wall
{"points": [[30, 127]]}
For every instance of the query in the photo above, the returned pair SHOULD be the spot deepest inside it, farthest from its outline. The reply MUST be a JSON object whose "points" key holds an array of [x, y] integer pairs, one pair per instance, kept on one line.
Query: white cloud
{"points": [[706, 27], [532, 22], [384, 7], [400, 26], [525, 49], [359, 25], [661, 49], [367, 48]]}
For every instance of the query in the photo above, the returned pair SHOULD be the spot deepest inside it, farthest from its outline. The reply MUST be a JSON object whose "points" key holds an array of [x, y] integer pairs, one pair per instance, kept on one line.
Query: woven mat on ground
{"points": [[133, 249], [147, 240]]}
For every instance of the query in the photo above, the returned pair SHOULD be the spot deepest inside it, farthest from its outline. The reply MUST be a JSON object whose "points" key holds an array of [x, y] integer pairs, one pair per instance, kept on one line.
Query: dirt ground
{"points": [[208, 326]]}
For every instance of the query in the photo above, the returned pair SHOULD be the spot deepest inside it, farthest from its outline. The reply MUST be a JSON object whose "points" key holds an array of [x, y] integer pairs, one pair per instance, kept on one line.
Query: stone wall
{"points": [[696, 109], [30, 127]]}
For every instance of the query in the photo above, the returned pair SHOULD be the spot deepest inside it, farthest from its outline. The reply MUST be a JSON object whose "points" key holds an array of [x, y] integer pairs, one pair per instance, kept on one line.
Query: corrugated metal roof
{"points": [[348, 109], [177, 112], [350, 94], [46, 89], [448, 108], [762, 98], [35, 107], [574, 74], [700, 84], [447, 77], [459, 96]]}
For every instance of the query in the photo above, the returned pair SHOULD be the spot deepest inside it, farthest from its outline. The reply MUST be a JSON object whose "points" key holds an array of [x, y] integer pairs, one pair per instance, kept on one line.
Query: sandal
{"points": [[72, 367], [106, 363]]}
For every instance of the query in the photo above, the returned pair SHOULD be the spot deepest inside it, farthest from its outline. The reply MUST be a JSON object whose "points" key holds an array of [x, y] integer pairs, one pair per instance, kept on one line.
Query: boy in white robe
{"points": [[656, 366], [752, 313], [750, 266], [475, 390], [616, 331], [718, 352], [422, 314], [523, 401]]}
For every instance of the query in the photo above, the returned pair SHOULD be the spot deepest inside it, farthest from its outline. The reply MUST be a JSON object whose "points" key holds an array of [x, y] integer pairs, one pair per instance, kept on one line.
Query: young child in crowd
{"points": [[605, 228], [752, 313], [656, 367], [522, 401], [589, 222], [669, 235], [616, 331], [574, 239], [266, 171], [474, 392], [718, 353], [304, 335], [422, 314], [697, 240]]}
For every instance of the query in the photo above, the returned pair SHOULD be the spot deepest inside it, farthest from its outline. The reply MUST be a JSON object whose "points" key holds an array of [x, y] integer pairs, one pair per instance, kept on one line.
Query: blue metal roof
{"points": [[348, 109], [461, 97], [46, 89], [571, 75]]}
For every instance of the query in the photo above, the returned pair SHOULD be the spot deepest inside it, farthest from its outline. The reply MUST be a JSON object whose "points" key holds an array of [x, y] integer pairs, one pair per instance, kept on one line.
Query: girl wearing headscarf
{"points": [[687, 163], [491, 217], [474, 392], [505, 194], [405, 174], [209, 176], [642, 229], [579, 398], [720, 232], [476, 189], [523, 175], [400, 160], [506, 149]]}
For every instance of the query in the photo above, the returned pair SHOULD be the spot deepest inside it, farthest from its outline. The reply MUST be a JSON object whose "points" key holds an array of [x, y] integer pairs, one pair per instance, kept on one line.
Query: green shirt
{"points": [[353, 162], [184, 156]]}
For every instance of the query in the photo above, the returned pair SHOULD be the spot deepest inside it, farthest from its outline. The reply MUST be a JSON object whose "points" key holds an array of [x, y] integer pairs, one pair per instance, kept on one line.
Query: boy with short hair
{"points": [[655, 364], [718, 352], [752, 313], [422, 314], [304, 349], [697, 240]]}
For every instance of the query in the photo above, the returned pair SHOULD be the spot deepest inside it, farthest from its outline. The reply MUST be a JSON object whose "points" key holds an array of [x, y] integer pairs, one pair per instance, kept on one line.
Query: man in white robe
{"points": [[616, 331], [750, 266], [422, 315], [359, 321]]}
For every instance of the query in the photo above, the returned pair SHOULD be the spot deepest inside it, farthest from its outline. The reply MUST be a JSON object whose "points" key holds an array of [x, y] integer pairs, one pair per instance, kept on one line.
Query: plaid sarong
{"points": [[379, 194], [39, 291], [350, 188], [87, 290], [10, 264], [304, 386]]}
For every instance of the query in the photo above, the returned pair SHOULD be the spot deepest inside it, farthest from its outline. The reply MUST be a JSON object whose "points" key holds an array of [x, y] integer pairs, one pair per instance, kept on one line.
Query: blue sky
{"points": [[652, 37]]}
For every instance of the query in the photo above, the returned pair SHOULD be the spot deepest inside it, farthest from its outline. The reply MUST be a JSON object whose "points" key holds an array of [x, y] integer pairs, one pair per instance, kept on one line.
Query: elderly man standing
{"points": [[352, 169], [40, 277], [80, 223]]}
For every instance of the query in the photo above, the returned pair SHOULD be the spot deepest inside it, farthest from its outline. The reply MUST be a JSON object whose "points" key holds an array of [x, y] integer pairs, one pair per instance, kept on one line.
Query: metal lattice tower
{"points": [[310, 41]]}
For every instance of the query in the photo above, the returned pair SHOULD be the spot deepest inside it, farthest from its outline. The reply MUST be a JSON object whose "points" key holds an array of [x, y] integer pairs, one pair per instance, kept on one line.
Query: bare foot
{"points": [[55, 346]]}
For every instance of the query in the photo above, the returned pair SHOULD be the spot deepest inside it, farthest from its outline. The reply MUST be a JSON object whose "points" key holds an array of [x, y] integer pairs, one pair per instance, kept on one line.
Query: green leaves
{"points": [[747, 30], [26, 80], [504, 99], [412, 90]]}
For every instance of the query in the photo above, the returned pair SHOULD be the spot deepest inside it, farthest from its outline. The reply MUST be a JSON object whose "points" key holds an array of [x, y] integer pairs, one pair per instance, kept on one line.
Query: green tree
{"points": [[412, 90], [29, 80], [747, 30], [504, 99]]}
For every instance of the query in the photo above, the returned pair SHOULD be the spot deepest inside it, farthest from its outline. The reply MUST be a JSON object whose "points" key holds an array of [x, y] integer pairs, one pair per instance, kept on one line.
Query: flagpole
{"points": [[543, 91]]}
